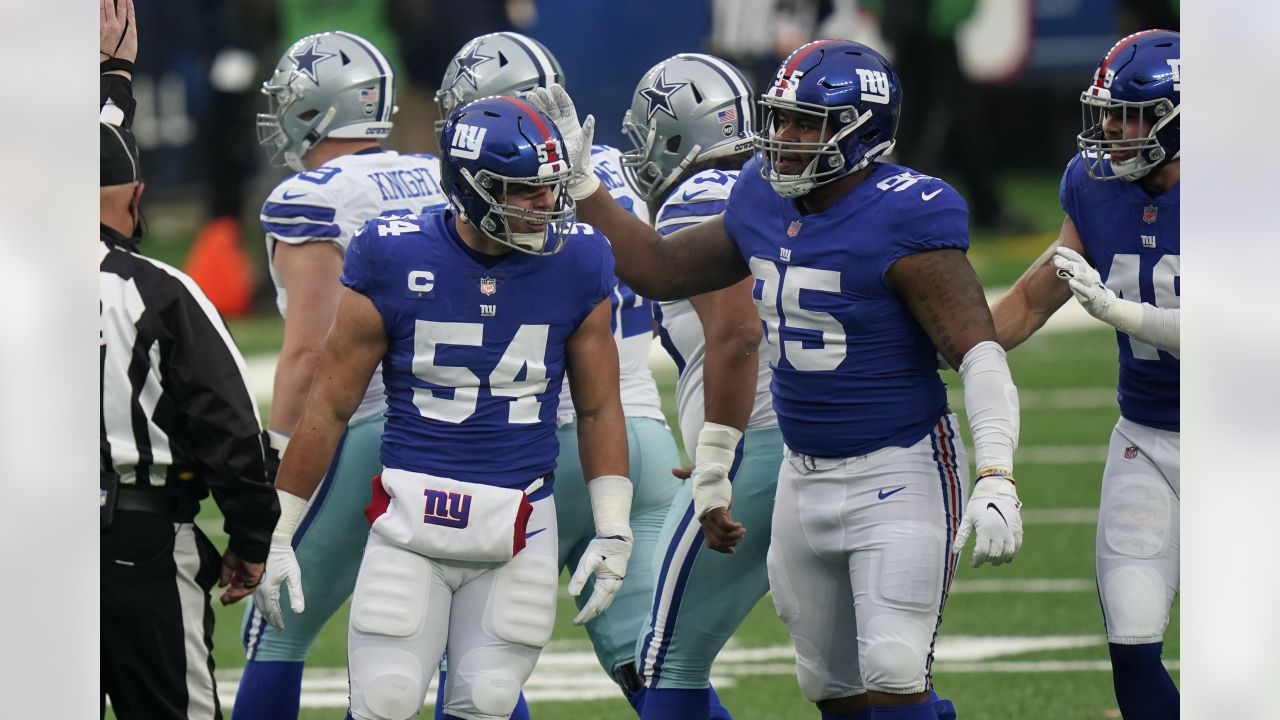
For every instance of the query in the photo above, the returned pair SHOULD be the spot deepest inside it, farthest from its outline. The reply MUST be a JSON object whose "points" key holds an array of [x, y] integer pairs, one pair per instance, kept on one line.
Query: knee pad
{"points": [[487, 681], [895, 653], [1137, 517], [1136, 604], [391, 592], [522, 604], [386, 684]]}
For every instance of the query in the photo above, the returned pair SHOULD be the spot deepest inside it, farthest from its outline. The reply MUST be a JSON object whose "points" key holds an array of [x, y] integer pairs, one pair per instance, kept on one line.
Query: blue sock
{"points": [[718, 711], [860, 715], [1144, 689], [520, 713], [676, 704], [945, 709], [269, 690], [919, 711]]}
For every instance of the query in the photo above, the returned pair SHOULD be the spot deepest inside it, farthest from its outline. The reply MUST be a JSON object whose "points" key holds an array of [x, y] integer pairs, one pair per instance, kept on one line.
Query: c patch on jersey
{"points": [[421, 285]]}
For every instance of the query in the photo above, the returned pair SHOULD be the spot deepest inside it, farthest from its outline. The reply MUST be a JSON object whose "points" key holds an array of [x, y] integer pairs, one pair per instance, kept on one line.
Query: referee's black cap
{"points": [[118, 156]]}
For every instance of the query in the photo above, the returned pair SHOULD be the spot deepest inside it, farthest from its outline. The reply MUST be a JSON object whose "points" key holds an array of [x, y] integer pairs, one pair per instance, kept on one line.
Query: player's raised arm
{"points": [[1037, 295], [687, 263], [942, 291]]}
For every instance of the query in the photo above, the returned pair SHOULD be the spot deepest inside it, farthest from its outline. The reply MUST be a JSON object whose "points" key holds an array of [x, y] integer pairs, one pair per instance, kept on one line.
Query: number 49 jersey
{"points": [[1133, 240], [476, 344], [854, 372]]}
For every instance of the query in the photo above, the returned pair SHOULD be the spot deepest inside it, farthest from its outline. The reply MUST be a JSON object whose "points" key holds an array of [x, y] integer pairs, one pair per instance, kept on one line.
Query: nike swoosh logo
{"points": [[884, 494], [531, 534], [293, 196], [693, 194], [929, 196], [992, 506]]}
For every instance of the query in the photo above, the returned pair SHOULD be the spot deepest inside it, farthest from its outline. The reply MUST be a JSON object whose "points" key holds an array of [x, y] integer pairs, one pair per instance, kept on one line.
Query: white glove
{"points": [[1097, 299], [992, 516], [282, 564], [606, 556], [556, 103], [713, 458]]}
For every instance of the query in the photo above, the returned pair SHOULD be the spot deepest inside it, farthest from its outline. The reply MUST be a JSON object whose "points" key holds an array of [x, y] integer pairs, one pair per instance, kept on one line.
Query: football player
{"points": [[859, 275], [1120, 195], [331, 100], [508, 63], [475, 312]]}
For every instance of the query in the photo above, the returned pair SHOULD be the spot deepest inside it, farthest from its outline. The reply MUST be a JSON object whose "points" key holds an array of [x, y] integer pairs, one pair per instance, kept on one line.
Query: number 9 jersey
{"points": [[475, 344], [1133, 239]]}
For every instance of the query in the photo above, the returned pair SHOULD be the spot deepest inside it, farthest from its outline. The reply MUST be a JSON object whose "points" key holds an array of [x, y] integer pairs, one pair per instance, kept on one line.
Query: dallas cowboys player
{"points": [[475, 312], [508, 63], [331, 98], [860, 274], [1121, 199]]}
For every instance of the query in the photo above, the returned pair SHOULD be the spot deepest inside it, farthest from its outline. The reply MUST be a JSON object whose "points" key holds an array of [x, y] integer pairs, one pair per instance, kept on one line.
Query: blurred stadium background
{"points": [[991, 106]]}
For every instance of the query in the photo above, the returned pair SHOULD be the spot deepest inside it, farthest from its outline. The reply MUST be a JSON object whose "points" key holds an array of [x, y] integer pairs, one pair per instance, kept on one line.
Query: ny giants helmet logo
{"points": [[467, 140], [875, 85], [1175, 64]]}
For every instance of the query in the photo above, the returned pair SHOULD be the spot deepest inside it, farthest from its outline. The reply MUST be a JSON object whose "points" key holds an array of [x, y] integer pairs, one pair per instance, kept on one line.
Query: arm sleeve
{"points": [[991, 402], [1148, 323], [208, 379]]}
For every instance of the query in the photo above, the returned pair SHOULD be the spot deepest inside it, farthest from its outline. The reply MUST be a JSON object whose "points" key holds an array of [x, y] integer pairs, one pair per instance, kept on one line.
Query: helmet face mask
{"points": [[852, 94], [1136, 95], [333, 84], [504, 172], [686, 109], [501, 63]]}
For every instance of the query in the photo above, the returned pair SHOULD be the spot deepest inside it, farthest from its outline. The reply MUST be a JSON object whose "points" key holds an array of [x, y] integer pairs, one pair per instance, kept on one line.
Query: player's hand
{"points": [[556, 103], [241, 576], [606, 558], [282, 569], [117, 30], [993, 519], [721, 531], [1086, 283]]}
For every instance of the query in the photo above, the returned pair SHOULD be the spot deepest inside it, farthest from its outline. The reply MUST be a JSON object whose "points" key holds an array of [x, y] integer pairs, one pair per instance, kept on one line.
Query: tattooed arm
{"points": [[942, 291]]}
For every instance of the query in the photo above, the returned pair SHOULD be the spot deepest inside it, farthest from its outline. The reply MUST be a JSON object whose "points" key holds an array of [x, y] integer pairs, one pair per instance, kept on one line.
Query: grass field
{"points": [[1019, 641]]}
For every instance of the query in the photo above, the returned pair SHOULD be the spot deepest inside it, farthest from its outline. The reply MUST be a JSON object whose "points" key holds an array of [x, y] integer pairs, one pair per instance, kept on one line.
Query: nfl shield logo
{"points": [[794, 228], [1149, 214], [1131, 452], [488, 285]]}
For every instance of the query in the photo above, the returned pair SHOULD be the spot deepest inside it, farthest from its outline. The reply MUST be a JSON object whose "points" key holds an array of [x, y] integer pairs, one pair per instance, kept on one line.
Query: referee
{"points": [[177, 422]]}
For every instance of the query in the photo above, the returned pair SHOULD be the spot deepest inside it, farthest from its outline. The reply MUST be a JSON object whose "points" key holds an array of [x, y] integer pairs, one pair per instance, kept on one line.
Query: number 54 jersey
{"points": [[475, 344], [1133, 239]]}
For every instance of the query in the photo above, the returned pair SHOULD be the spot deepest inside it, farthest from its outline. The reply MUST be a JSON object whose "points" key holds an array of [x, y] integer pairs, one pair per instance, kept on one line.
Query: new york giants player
{"points": [[1120, 195], [475, 312], [860, 274], [508, 63], [330, 99]]}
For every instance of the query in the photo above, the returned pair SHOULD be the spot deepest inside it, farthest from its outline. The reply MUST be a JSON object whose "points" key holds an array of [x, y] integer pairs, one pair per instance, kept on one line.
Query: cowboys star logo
{"points": [[305, 60], [659, 95], [467, 63]]}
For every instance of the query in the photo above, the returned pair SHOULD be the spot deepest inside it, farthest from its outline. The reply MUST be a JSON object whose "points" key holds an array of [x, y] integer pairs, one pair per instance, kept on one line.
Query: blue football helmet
{"points": [[492, 144], [1140, 78], [857, 95]]}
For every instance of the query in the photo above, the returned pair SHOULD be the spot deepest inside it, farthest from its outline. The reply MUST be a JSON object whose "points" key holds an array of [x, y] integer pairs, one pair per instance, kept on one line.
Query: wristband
{"points": [[611, 505], [115, 63], [292, 508]]}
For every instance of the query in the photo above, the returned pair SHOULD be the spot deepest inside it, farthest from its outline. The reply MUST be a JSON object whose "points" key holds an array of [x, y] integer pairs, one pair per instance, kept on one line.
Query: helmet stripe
{"points": [[1115, 52], [803, 53], [735, 80], [533, 114], [385, 106], [546, 69]]}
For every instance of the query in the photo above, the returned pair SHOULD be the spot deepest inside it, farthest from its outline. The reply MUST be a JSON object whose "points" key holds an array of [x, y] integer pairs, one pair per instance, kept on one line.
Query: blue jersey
{"points": [[1132, 239], [475, 344], [854, 372]]}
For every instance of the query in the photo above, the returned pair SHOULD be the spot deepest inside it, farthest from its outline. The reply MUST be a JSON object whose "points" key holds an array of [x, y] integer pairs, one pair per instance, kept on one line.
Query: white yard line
{"points": [[1028, 585]]}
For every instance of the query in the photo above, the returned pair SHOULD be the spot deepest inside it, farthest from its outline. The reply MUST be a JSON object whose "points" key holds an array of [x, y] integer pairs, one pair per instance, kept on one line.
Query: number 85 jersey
{"points": [[1133, 239], [475, 344]]}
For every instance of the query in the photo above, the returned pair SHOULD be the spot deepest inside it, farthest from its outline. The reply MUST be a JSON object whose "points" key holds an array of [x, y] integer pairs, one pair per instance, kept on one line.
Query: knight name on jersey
{"points": [[400, 184]]}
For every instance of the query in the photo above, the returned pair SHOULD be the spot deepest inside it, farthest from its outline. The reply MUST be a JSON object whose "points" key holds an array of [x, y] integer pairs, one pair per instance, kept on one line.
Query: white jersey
{"points": [[632, 315], [700, 198], [329, 204]]}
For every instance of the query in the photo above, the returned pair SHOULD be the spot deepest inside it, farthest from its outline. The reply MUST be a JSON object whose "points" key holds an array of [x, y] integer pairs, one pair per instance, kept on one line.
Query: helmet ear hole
{"points": [[673, 143], [870, 137], [308, 115]]}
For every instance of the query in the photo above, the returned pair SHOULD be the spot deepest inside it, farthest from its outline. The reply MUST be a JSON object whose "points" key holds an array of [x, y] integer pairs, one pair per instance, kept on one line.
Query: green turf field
{"points": [[1019, 641]]}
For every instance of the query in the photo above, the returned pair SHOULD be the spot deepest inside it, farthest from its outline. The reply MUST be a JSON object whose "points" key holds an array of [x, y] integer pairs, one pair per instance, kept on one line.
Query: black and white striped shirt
{"points": [[177, 414]]}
